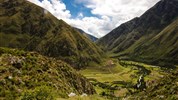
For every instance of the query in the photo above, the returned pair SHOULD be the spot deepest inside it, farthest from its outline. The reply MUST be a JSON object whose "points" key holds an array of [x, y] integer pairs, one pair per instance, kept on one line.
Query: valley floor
{"points": [[119, 79]]}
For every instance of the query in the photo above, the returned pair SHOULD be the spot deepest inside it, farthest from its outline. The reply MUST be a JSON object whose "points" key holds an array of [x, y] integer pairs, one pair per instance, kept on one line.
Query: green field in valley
{"points": [[117, 78]]}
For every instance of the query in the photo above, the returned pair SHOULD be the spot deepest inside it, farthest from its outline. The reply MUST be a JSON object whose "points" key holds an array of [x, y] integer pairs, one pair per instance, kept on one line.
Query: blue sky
{"points": [[77, 8], [74, 8], [96, 17]]}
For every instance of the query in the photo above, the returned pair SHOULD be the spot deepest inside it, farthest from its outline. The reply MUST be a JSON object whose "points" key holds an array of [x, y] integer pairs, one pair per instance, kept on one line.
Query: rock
{"points": [[72, 94], [10, 77], [161, 96], [84, 95]]}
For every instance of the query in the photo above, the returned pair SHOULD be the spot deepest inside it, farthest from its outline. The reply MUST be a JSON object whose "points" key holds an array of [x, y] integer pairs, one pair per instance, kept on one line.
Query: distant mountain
{"points": [[91, 37], [29, 75], [27, 26], [151, 38]]}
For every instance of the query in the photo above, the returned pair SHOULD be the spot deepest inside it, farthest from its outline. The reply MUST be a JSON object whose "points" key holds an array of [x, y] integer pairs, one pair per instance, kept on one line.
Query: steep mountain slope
{"points": [[162, 47], [30, 75], [27, 26], [117, 37], [87, 35], [157, 25]]}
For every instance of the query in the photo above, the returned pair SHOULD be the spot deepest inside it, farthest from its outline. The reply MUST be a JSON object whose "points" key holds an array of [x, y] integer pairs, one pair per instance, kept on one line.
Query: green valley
{"points": [[44, 58], [151, 38], [120, 80]]}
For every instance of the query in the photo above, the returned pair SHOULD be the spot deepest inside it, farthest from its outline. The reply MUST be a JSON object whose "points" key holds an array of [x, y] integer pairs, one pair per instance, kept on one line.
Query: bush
{"points": [[39, 93]]}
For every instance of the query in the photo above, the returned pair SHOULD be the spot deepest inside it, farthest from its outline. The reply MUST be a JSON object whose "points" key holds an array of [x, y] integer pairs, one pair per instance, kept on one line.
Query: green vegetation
{"points": [[119, 79], [28, 75], [27, 26], [92, 97], [159, 50], [151, 38], [164, 88]]}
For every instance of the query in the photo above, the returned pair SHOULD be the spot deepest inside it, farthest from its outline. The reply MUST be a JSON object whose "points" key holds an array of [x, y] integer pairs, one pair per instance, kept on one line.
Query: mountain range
{"points": [[151, 38], [44, 58], [30, 27]]}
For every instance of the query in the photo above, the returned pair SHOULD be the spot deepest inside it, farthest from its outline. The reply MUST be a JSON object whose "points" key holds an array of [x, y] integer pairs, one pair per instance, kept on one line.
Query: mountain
{"points": [[27, 26], [91, 37], [151, 38], [29, 75]]}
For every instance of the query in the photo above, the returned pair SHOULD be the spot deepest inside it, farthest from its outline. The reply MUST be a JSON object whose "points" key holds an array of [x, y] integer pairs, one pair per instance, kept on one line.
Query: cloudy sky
{"points": [[96, 17]]}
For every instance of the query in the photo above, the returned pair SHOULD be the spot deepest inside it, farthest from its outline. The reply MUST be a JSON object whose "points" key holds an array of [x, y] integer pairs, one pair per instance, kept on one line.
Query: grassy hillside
{"points": [[157, 49], [27, 26], [29, 75], [149, 38], [118, 36]]}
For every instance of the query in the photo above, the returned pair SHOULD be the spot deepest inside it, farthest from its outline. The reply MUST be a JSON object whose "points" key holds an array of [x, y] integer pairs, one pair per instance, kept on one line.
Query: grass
{"points": [[118, 72], [165, 87], [106, 76], [91, 97], [29, 75], [114, 80], [121, 77]]}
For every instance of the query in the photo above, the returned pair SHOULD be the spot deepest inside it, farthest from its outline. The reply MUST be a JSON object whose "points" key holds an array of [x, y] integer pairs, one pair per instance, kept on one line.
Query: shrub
{"points": [[39, 93]]}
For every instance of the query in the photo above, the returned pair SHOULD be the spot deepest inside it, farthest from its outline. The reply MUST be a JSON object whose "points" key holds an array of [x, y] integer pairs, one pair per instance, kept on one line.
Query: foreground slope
{"points": [[152, 36], [28, 73], [27, 26]]}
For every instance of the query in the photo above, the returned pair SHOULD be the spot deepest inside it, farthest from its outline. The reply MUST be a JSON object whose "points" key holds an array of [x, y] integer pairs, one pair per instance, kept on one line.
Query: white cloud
{"points": [[56, 7], [92, 24], [112, 13]]}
